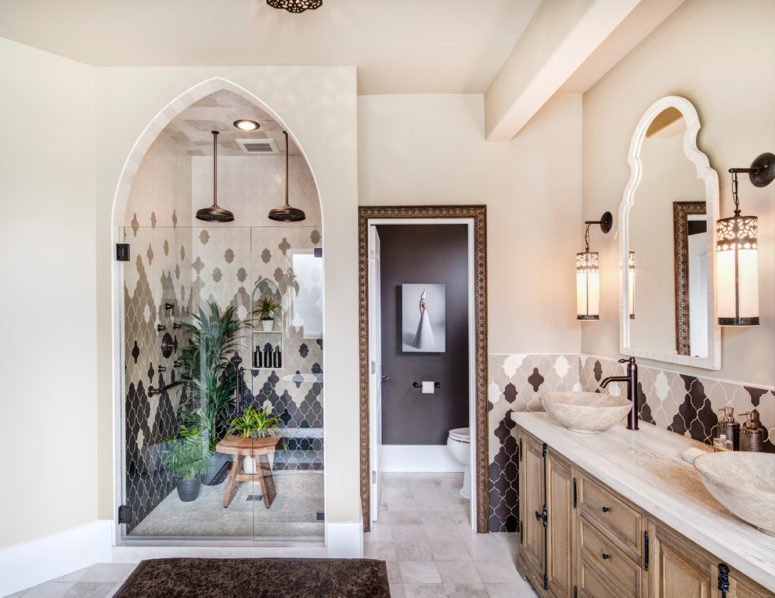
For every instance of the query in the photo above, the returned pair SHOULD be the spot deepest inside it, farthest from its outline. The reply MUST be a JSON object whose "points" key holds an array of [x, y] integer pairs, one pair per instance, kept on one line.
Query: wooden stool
{"points": [[258, 448]]}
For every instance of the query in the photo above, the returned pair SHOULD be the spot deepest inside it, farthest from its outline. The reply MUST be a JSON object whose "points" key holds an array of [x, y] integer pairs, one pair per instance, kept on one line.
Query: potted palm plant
{"points": [[266, 307], [187, 455], [255, 422], [211, 378]]}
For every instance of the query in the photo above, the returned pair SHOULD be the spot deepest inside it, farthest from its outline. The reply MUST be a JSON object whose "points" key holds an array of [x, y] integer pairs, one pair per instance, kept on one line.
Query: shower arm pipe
{"points": [[215, 168], [286, 167]]}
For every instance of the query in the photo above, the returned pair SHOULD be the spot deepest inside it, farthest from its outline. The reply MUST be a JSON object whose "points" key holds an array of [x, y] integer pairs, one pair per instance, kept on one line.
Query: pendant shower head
{"points": [[215, 213], [286, 212]]}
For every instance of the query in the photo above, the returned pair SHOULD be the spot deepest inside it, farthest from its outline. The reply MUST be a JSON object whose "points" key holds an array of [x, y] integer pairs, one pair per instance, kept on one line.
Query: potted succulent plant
{"points": [[187, 455], [255, 422], [265, 311], [211, 378]]}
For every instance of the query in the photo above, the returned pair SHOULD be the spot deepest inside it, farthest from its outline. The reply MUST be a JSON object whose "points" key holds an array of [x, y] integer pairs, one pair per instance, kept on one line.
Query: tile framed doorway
{"points": [[478, 215]]}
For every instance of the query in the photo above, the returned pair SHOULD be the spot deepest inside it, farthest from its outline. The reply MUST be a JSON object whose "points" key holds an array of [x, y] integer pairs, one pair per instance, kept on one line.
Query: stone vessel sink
{"points": [[587, 412], [744, 483]]}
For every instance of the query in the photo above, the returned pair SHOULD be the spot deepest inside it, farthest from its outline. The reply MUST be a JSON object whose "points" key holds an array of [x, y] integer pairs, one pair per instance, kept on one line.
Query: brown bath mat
{"points": [[275, 578]]}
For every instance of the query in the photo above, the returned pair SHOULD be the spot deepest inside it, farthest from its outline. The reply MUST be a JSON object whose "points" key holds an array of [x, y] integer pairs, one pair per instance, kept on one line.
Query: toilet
{"points": [[458, 443]]}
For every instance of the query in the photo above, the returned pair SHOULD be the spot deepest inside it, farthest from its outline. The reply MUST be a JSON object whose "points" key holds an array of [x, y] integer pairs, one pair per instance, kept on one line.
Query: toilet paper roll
{"points": [[428, 387]]}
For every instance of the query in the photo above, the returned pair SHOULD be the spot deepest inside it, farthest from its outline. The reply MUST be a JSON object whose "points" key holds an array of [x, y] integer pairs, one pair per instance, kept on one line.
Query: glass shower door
{"points": [[287, 379], [198, 360]]}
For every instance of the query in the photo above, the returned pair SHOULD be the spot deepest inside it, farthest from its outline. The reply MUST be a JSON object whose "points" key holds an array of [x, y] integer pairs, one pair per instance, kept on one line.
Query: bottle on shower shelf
{"points": [[277, 357]]}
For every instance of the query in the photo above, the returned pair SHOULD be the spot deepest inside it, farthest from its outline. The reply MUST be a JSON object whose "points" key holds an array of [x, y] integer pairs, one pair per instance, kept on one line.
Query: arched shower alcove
{"points": [[183, 278]]}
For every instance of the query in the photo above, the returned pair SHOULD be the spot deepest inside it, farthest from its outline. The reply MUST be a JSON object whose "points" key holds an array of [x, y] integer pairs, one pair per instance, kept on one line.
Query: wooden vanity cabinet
{"points": [[580, 539], [678, 571], [547, 543], [683, 570], [560, 529], [532, 554]]}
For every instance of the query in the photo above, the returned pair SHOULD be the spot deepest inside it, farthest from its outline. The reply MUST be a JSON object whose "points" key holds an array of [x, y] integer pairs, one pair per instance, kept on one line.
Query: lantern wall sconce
{"points": [[588, 273], [737, 259]]}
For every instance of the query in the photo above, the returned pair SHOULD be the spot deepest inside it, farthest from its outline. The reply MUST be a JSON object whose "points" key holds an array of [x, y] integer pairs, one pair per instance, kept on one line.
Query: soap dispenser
{"points": [[752, 432], [727, 426]]}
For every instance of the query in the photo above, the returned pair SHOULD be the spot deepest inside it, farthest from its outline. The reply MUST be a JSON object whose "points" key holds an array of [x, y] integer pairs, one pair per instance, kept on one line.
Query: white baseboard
{"points": [[344, 540], [34, 562], [423, 458]]}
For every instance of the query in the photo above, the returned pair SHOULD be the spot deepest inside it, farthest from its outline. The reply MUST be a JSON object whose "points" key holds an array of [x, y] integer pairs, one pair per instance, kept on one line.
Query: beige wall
{"points": [[712, 52], [430, 149], [48, 405], [318, 105]]}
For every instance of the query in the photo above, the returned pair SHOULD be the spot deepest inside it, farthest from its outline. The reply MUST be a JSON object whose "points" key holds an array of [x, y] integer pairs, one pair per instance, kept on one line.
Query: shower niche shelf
{"points": [[266, 345]]}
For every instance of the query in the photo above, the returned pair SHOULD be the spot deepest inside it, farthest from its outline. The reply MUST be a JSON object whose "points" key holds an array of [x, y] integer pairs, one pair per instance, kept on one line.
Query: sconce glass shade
{"points": [[631, 284], [737, 278], [588, 285]]}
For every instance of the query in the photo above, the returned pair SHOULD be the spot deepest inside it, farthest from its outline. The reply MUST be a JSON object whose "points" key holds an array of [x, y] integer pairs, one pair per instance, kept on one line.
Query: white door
{"points": [[375, 369]]}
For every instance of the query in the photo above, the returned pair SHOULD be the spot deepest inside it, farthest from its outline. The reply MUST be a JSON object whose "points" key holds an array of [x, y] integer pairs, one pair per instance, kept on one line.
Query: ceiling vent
{"points": [[257, 146]]}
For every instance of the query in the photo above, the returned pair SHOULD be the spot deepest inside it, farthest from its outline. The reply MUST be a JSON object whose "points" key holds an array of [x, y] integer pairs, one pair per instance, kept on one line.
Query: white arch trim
{"points": [[164, 117], [710, 177], [343, 540]]}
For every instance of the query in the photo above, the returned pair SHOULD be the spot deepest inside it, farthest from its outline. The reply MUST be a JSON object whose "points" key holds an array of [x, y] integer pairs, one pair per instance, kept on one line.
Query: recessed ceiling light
{"points": [[246, 125]]}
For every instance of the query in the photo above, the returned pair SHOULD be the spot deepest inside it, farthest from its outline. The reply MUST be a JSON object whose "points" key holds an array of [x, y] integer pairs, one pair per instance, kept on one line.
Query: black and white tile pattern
{"points": [[678, 402]]}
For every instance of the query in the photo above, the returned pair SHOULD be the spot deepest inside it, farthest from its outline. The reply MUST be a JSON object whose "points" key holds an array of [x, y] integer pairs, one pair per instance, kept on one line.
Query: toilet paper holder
{"points": [[416, 384]]}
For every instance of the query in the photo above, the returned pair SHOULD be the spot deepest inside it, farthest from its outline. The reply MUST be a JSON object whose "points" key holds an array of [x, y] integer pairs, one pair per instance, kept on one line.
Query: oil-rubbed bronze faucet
{"points": [[632, 389]]}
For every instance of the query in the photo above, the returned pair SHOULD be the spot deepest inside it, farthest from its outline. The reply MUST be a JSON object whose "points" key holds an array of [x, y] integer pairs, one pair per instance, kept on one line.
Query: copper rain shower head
{"points": [[215, 213], [286, 212]]}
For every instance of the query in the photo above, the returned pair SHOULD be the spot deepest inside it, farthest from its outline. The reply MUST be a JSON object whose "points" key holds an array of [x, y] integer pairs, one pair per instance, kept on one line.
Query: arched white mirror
{"points": [[667, 213]]}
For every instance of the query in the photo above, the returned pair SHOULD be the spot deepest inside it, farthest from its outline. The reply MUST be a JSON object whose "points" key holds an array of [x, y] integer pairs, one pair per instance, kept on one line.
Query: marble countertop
{"points": [[646, 467]]}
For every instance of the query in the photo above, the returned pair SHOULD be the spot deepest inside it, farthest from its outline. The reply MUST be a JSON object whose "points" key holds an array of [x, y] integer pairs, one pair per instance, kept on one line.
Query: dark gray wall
{"points": [[435, 253]]}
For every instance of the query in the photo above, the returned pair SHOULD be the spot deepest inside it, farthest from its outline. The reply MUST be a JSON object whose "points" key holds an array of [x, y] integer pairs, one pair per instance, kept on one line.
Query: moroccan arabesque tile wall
{"points": [[681, 403]]}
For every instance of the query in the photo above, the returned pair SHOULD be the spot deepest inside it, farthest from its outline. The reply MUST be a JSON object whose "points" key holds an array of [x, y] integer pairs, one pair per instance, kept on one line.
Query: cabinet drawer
{"points": [[613, 562], [593, 584], [611, 514]]}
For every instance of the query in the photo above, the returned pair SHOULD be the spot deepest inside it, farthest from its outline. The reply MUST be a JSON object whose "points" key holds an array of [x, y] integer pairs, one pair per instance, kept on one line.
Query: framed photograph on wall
{"points": [[423, 318]]}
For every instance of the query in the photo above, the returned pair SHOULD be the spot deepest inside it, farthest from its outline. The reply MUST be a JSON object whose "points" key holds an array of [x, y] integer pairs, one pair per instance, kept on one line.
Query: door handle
{"points": [[386, 378]]}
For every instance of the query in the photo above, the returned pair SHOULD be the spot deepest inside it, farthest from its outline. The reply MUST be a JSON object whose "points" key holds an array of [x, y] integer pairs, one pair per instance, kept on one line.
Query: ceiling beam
{"points": [[562, 36]]}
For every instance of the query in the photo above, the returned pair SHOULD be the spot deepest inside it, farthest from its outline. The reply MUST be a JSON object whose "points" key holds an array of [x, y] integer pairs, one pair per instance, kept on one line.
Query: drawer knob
{"points": [[606, 556], [606, 509]]}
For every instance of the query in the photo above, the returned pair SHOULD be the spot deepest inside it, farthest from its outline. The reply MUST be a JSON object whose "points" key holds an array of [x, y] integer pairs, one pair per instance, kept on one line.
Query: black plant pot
{"points": [[188, 490], [214, 466]]}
